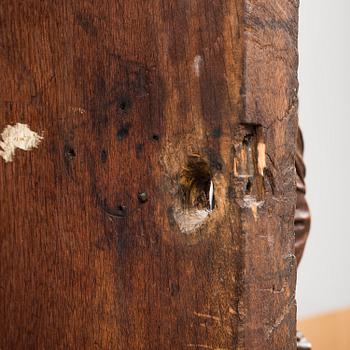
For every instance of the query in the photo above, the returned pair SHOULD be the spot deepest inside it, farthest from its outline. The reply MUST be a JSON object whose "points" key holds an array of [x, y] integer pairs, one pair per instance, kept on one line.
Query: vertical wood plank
{"points": [[110, 238]]}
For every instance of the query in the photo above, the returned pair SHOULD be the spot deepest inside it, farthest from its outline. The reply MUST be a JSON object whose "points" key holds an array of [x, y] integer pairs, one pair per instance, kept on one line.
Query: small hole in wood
{"points": [[124, 104], [69, 152], [104, 156], [155, 137], [142, 197], [123, 131], [121, 210]]}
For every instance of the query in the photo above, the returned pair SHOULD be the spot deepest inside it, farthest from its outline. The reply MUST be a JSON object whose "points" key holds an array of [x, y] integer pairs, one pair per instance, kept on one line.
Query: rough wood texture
{"points": [[141, 105]]}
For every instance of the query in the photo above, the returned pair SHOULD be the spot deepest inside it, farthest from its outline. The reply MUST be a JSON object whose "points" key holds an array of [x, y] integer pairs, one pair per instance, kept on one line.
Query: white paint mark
{"points": [[190, 219], [197, 63], [253, 204], [261, 158], [17, 136]]}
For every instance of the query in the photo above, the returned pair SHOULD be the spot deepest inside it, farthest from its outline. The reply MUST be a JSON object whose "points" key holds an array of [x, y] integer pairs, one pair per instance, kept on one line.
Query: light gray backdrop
{"points": [[324, 76]]}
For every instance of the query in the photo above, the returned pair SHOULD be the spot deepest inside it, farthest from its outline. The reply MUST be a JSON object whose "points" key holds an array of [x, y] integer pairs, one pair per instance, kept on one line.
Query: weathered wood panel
{"points": [[109, 236]]}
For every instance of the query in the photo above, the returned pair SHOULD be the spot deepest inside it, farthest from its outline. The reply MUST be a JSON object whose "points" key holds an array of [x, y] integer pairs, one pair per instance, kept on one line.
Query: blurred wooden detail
{"points": [[302, 342], [329, 331], [302, 217]]}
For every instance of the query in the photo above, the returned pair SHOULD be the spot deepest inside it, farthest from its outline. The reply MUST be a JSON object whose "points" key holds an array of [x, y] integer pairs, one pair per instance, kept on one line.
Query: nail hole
{"points": [[121, 210], [124, 104], [69, 152], [143, 197], [104, 155], [155, 137], [123, 131]]}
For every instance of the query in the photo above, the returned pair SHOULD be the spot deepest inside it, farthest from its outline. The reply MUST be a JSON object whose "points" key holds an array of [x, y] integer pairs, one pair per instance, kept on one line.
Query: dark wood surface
{"points": [[131, 97]]}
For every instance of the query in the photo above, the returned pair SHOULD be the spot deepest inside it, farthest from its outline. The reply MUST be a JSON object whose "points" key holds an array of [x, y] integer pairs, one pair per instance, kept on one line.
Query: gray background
{"points": [[324, 76]]}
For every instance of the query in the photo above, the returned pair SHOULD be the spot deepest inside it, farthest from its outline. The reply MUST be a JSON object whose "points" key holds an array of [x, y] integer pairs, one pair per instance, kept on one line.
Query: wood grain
{"points": [[124, 94]]}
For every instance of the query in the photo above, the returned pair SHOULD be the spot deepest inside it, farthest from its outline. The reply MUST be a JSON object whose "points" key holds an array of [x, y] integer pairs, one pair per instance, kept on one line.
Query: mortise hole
{"points": [[196, 186]]}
